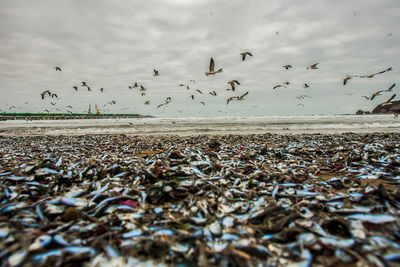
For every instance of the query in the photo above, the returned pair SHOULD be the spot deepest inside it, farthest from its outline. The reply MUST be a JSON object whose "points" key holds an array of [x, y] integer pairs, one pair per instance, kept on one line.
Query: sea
{"points": [[206, 125]]}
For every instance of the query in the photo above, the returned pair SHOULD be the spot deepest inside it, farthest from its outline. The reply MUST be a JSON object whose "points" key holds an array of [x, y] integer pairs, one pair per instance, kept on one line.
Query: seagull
{"points": [[313, 66], [213, 93], [48, 111], [142, 88], [380, 72], [147, 103], [102, 90], [244, 54], [211, 68], [192, 96], [143, 94], [52, 103], [84, 84], [237, 98], [366, 97], [287, 66], [168, 98], [45, 92], [76, 88], [306, 85], [287, 83], [135, 85], [156, 73], [182, 84], [58, 68], [69, 106], [202, 103], [54, 95], [277, 86], [199, 91], [130, 87], [88, 88], [345, 80], [232, 83]]}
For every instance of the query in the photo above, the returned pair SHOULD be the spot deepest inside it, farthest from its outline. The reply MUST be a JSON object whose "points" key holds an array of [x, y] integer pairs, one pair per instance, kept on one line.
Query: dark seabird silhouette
{"points": [[306, 85], [58, 68], [213, 93], [244, 54], [52, 103], [287, 66], [156, 73], [142, 88], [211, 68], [143, 94], [84, 84], [237, 98], [277, 86], [199, 91], [44, 93], [287, 83], [88, 88], [76, 88], [202, 103], [313, 66], [377, 73], [192, 96], [147, 103], [102, 90], [130, 87], [135, 85], [232, 83]]}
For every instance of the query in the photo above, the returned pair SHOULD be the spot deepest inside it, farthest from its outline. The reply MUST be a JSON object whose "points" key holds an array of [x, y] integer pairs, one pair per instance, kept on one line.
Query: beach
{"points": [[72, 196]]}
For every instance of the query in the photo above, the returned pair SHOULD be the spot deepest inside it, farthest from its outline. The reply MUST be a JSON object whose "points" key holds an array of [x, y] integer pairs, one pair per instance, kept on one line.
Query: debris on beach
{"points": [[231, 200]]}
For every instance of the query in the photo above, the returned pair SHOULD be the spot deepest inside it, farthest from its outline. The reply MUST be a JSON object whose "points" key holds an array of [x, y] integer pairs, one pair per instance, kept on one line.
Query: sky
{"points": [[113, 44]]}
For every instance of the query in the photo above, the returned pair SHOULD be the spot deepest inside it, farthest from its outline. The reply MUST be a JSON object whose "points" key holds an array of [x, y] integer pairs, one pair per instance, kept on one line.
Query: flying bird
{"points": [[213, 93], [306, 85], [143, 94], [232, 83], [142, 88], [52, 103], [88, 88], [244, 54], [156, 73], [211, 68], [147, 103], [58, 68], [377, 73], [287, 66], [287, 83], [199, 91], [76, 88], [202, 103], [84, 84], [102, 90], [313, 66], [135, 85], [345, 80], [192, 96], [237, 98], [277, 86], [44, 93]]}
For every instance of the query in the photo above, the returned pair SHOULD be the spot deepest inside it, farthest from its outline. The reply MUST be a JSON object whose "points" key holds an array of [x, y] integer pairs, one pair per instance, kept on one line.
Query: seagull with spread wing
{"points": [[212, 67], [232, 83], [244, 54]]}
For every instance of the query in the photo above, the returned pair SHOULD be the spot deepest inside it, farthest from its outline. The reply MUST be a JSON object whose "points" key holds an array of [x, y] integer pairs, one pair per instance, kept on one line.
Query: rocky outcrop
{"points": [[387, 108]]}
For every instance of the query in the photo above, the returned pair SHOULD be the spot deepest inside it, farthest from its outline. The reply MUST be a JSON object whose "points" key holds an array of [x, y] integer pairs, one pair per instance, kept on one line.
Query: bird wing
{"points": [[244, 95], [212, 65], [391, 88], [391, 98], [250, 54], [236, 81]]}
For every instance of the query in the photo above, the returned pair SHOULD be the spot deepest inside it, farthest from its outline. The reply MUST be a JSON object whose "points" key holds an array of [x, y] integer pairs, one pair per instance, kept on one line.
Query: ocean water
{"points": [[209, 125]]}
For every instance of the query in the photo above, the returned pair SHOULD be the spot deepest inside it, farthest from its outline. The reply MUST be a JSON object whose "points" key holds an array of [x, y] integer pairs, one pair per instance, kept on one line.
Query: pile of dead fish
{"points": [[251, 200]]}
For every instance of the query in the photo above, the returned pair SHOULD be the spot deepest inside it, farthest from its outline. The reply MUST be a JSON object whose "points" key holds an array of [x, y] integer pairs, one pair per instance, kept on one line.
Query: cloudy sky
{"points": [[112, 44]]}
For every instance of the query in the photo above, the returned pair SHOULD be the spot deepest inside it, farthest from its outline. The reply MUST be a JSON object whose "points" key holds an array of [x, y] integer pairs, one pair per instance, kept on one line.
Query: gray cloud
{"points": [[111, 44]]}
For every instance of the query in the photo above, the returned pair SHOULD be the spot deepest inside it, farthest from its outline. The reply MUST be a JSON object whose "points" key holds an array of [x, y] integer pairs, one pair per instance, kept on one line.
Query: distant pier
{"points": [[64, 116]]}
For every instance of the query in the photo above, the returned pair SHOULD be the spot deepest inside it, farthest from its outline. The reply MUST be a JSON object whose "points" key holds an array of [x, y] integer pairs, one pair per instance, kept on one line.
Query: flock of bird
{"points": [[212, 70]]}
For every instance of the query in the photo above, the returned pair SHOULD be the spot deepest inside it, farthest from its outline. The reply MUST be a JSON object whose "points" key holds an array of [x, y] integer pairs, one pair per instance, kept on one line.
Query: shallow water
{"points": [[209, 125]]}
